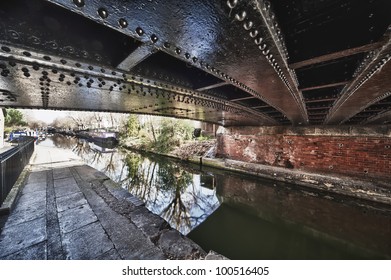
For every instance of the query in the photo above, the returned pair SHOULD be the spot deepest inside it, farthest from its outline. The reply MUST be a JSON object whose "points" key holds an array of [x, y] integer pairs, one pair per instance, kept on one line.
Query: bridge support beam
{"points": [[362, 153]]}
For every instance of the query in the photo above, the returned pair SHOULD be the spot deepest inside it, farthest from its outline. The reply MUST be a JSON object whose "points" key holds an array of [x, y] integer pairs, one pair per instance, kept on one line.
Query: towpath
{"points": [[68, 210]]}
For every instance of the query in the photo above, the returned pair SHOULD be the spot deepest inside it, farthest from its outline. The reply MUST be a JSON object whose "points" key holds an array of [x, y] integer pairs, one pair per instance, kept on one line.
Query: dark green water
{"points": [[244, 217]]}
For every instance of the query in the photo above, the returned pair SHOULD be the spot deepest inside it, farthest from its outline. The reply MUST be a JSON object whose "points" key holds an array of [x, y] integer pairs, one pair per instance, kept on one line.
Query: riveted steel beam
{"points": [[137, 56], [381, 118], [325, 86], [243, 98], [212, 86], [258, 65], [201, 56], [36, 80], [336, 55], [370, 85]]}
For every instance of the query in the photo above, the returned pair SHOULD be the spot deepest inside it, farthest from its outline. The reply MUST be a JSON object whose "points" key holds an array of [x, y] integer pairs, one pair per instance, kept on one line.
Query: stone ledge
{"points": [[378, 192], [171, 242]]}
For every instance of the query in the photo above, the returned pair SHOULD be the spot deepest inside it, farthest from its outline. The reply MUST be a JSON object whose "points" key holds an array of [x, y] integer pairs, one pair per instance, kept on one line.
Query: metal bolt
{"points": [[139, 31], [241, 16], [102, 12], [154, 38], [79, 3], [123, 23], [232, 3]]}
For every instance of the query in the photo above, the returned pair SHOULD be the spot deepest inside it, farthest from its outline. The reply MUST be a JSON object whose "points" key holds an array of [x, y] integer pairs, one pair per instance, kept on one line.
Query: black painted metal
{"points": [[12, 163], [222, 61], [189, 31]]}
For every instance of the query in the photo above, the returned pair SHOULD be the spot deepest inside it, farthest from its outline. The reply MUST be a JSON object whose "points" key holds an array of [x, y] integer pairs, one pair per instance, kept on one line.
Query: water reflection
{"points": [[244, 217], [262, 219], [170, 191], [183, 198]]}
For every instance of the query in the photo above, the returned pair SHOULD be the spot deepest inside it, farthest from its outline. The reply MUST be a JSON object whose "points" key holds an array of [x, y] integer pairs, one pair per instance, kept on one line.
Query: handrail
{"points": [[12, 163]]}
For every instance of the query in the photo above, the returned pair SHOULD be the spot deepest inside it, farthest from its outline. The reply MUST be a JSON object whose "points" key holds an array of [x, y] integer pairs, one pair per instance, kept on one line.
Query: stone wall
{"points": [[358, 152]]}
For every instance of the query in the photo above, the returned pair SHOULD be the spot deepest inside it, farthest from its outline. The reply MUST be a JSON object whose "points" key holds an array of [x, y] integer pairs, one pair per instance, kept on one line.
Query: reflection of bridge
{"points": [[228, 62]]}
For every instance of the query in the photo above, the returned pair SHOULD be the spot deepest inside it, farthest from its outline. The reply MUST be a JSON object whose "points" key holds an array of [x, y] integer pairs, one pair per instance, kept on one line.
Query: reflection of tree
{"points": [[95, 157], [168, 190], [139, 177], [64, 142], [133, 162], [81, 148], [175, 180], [110, 167]]}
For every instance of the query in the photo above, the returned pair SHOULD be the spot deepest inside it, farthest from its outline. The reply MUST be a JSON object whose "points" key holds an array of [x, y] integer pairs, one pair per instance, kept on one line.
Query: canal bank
{"points": [[68, 210], [370, 189]]}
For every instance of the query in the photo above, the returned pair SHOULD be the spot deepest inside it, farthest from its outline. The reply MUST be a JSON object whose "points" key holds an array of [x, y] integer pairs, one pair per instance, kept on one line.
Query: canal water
{"points": [[243, 217]]}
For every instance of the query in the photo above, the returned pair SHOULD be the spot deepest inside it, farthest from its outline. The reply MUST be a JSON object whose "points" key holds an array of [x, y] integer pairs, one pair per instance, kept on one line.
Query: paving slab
{"points": [[87, 243], [75, 218], [33, 187], [21, 236], [64, 190], [88, 173], [60, 173], [34, 252], [33, 197], [110, 255], [129, 240], [27, 212], [70, 201], [64, 182], [37, 177]]}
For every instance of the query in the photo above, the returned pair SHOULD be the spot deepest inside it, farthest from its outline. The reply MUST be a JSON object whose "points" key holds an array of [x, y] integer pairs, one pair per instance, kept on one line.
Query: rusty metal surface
{"points": [[231, 62]]}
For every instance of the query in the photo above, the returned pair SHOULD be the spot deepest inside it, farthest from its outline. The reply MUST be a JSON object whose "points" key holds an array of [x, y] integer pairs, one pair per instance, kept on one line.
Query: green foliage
{"points": [[172, 134], [132, 126], [171, 177], [14, 118], [204, 138], [133, 162], [160, 137]]}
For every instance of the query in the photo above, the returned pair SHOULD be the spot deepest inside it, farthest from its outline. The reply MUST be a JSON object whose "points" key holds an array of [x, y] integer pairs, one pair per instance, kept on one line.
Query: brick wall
{"points": [[363, 153]]}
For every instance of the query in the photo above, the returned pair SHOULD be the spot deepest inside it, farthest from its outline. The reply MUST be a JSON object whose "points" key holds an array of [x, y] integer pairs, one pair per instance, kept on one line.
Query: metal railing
{"points": [[12, 163]]}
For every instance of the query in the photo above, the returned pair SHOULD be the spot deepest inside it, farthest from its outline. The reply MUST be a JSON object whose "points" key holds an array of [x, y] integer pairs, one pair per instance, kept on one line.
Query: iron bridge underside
{"points": [[229, 62]]}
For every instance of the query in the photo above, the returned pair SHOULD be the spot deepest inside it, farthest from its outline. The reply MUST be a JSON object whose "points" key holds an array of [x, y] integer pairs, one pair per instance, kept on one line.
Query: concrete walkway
{"points": [[68, 210]]}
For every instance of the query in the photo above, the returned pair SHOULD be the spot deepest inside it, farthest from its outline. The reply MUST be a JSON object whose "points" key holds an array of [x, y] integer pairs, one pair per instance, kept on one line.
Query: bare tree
{"points": [[62, 122], [36, 124], [82, 120]]}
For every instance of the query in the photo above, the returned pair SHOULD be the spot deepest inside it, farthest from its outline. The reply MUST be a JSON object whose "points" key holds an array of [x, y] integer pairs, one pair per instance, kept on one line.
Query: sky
{"points": [[47, 116]]}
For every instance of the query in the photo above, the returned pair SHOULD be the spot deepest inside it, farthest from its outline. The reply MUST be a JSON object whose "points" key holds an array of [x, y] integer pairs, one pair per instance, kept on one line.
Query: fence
{"points": [[12, 163]]}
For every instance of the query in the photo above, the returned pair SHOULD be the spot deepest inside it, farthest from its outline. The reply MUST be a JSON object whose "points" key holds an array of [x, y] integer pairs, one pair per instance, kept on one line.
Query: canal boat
{"points": [[99, 136], [16, 135]]}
